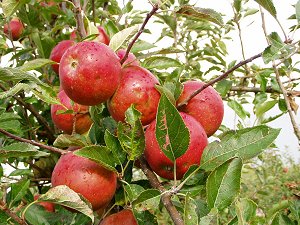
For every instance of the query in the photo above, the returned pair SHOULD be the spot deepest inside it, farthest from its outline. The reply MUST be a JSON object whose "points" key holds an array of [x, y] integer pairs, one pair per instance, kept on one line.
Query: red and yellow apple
{"points": [[15, 28], [47, 205], [124, 217]]}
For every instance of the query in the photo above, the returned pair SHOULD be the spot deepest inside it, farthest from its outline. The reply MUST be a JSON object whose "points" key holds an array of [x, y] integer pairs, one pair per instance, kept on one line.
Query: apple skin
{"points": [[101, 38], [207, 107], [89, 72], [16, 28], [137, 86], [58, 51], [162, 165], [131, 59], [94, 182], [65, 121], [124, 217], [47, 205]]}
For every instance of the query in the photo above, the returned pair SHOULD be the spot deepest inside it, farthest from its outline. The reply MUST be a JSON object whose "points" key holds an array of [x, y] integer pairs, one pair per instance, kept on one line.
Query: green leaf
{"points": [[65, 196], [21, 150], [11, 6], [268, 5], [119, 38], [66, 140], [190, 214], [245, 210], [141, 46], [98, 154], [169, 20], [35, 64], [35, 36], [113, 144], [146, 195], [14, 90], [10, 122], [260, 109], [160, 62], [237, 5], [210, 219], [223, 184], [133, 191], [223, 87], [18, 191], [173, 84], [131, 133], [238, 109], [297, 7], [201, 13], [250, 12], [281, 219], [171, 133], [145, 216], [246, 144]]}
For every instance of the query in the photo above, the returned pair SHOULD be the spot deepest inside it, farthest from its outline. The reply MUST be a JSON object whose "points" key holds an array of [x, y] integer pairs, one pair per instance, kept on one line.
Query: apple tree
{"points": [[105, 120]]}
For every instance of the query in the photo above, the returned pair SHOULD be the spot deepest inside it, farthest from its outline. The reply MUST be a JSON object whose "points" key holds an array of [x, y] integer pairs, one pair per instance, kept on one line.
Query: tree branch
{"points": [[11, 214], [17, 138], [166, 196], [221, 77], [149, 15], [79, 19], [268, 90]]}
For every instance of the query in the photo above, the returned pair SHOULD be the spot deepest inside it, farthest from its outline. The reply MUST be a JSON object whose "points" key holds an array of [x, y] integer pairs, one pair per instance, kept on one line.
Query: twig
{"points": [[94, 11], [258, 89], [79, 19], [221, 77], [53, 149], [151, 13], [11, 214], [165, 197]]}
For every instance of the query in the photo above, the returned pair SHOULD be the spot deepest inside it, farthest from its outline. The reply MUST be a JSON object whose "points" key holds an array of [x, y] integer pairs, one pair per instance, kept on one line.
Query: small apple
{"points": [[47, 205], [65, 122], [94, 182], [162, 165], [137, 86], [89, 72], [131, 59], [101, 38], [124, 217], [206, 107], [15, 27], [58, 51]]}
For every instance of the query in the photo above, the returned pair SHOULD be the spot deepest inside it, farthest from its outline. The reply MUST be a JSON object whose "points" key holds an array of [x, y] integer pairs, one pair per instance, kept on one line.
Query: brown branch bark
{"points": [[165, 197], [35, 143], [221, 77], [268, 90], [149, 15], [11, 214], [79, 19]]}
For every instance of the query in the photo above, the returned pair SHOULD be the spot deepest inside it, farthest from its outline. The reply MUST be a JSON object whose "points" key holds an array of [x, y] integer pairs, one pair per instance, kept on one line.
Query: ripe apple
{"points": [[137, 86], [65, 121], [131, 59], [15, 27], [94, 182], [101, 38], [89, 72], [162, 165], [206, 107], [47, 205], [124, 217], [58, 51]]}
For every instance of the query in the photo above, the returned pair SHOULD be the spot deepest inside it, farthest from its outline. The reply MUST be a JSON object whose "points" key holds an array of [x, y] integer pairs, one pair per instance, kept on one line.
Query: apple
{"points": [[137, 86], [124, 217], [206, 107], [131, 59], [47, 205], [89, 72], [65, 121], [94, 182], [162, 165], [15, 27], [58, 51], [101, 38]]}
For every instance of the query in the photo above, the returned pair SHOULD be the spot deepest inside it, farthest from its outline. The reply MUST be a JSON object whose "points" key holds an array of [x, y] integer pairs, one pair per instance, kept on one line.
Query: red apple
{"points": [[162, 165], [101, 38], [15, 27], [124, 217], [47, 205], [58, 51], [89, 72], [131, 59], [65, 121], [137, 86], [206, 107], [94, 182]]}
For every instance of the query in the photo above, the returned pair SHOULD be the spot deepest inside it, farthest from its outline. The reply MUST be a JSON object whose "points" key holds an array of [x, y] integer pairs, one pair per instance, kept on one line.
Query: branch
{"points": [[149, 15], [53, 149], [166, 196], [258, 89], [11, 214], [79, 19], [221, 77]]}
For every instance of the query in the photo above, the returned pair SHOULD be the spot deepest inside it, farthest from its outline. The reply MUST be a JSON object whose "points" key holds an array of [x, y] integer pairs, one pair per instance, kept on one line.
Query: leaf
{"points": [[119, 38], [133, 191], [171, 132], [281, 219], [260, 109], [98, 154], [35, 36], [131, 133], [223, 87], [237, 5], [245, 210], [173, 84], [145, 216], [10, 122], [146, 195], [35, 64], [14, 90], [297, 7], [11, 6], [141, 46], [246, 144], [268, 5], [223, 184], [65, 196], [18, 191], [160, 62], [66, 140], [238, 109], [211, 218], [201, 13], [190, 214], [113, 144], [21, 150]]}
